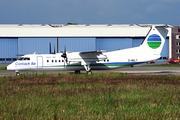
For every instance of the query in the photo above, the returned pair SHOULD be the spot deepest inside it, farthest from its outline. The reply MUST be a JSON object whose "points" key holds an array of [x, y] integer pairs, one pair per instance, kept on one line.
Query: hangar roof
{"points": [[51, 30]]}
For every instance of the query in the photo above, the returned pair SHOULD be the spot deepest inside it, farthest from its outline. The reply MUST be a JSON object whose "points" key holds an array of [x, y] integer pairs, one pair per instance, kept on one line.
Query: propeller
{"points": [[49, 48], [50, 52], [54, 50], [64, 55]]}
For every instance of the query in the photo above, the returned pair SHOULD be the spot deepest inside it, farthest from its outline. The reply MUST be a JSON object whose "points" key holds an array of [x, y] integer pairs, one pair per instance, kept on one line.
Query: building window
{"points": [[177, 50], [177, 43], [14, 59], [178, 29], [177, 36], [2, 59], [8, 59]]}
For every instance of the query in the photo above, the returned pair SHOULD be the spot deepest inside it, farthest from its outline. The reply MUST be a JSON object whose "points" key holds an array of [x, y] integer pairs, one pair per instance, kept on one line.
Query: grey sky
{"points": [[90, 11]]}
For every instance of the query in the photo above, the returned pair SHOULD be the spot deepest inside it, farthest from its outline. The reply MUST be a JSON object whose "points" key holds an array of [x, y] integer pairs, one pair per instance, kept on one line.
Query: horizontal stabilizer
{"points": [[156, 25]]}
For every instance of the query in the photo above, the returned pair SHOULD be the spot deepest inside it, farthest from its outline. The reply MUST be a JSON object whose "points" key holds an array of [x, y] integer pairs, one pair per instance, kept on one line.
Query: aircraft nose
{"points": [[9, 67]]}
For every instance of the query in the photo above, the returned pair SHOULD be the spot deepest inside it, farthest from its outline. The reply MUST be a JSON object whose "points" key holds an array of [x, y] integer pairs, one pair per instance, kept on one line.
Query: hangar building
{"points": [[27, 39]]}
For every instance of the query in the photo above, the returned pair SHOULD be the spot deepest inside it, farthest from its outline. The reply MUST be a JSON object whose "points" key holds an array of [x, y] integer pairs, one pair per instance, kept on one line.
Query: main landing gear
{"points": [[88, 69], [79, 72]]}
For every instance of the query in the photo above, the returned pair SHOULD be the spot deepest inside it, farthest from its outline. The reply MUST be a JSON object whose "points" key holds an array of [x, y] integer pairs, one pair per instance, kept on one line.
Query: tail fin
{"points": [[155, 39]]}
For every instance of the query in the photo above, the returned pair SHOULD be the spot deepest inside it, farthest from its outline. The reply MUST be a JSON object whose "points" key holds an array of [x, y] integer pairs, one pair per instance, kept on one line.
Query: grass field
{"points": [[2, 68], [97, 96]]}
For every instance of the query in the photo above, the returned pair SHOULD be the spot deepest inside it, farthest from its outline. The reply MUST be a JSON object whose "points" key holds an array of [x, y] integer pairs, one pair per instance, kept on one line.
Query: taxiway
{"points": [[128, 70]]}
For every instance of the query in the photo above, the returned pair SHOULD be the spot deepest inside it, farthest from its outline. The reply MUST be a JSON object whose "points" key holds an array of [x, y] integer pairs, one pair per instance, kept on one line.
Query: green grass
{"points": [[97, 96], [2, 68]]}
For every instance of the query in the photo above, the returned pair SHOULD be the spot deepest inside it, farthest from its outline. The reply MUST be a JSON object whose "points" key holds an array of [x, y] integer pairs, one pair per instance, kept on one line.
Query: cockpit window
{"points": [[21, 58], [24, 58]]}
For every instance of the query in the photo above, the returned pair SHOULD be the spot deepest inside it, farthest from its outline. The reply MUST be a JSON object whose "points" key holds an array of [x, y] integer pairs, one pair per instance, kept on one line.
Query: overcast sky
{"points": [[90, 11]]}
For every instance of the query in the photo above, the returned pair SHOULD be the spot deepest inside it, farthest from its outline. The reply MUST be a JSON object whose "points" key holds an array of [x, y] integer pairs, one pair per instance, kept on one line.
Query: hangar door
{"points": [[38, 45], [9, 49], [110, 44], [165, 51], [77, 44], [137, 41]]}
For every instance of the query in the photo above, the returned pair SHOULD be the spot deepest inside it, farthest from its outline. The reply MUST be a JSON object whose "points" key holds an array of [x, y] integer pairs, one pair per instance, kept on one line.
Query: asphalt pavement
{"points": [[137, 69]]}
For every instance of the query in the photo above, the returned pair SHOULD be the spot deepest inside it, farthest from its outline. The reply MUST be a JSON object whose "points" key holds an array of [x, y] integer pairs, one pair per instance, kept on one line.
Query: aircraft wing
{"points": [[86, 57], [91, 53]]}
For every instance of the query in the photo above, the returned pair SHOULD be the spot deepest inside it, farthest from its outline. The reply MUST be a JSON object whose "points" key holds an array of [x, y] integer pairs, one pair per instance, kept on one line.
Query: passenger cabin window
{"points": [[47, 60]]}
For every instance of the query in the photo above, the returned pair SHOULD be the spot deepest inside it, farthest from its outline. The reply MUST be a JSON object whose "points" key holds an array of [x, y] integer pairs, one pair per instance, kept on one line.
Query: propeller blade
{"points": [[64, 62], [64, 55], [54, 50], [49, 48]]}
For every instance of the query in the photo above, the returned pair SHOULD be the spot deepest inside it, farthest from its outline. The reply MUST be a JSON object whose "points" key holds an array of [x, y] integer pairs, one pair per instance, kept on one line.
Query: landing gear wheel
{"points": [[77, 72], [17, 73]]}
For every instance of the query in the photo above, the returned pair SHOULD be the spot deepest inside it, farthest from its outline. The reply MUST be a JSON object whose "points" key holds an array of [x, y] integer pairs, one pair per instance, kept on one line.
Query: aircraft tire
{"points": [[17, 73], [77, 72]]}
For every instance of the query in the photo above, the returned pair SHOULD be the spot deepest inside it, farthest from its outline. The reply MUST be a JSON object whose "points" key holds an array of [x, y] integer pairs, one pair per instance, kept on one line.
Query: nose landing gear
{"points": [[17, 73]]}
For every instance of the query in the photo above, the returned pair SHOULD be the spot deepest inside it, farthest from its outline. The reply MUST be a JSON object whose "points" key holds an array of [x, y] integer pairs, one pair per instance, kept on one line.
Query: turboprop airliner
{"points": [[149, 50]]}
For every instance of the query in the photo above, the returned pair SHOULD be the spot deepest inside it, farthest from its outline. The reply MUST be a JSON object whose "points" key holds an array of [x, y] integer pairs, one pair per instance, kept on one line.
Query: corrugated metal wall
{"points": [[137, 42], [77, 44], [165, 51], [38, 45], [8, 49], [110, 44]]}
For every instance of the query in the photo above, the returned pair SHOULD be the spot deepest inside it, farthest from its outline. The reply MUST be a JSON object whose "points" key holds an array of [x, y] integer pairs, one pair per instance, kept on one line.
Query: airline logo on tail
{"points": [[154, 41]]}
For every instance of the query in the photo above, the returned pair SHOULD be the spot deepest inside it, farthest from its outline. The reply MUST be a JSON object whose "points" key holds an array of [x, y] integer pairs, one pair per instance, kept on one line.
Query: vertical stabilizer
{"points": [[155, 39]]}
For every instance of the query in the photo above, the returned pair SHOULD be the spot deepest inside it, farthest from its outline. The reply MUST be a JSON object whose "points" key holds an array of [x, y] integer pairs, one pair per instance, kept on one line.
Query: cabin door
{"points": [[39, 62]]}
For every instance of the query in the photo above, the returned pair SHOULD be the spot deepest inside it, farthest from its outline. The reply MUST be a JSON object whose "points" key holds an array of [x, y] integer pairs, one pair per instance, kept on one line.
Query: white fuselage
{"points": [[109, 60]]}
